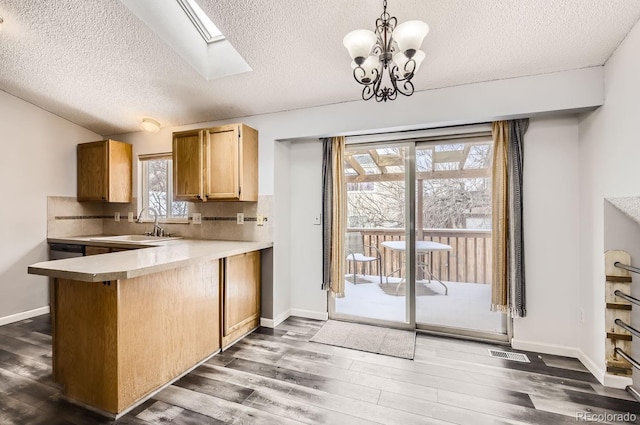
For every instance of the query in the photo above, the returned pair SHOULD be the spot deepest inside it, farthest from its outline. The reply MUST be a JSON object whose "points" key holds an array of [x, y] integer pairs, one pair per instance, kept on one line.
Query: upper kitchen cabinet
{"points": [[216, 164], [105, 171], [188, 163]]}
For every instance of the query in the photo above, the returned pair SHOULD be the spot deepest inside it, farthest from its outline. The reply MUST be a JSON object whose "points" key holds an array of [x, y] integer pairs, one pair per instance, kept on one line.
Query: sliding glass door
{"points": [[453, 238], [377, 196], [419, 236]]}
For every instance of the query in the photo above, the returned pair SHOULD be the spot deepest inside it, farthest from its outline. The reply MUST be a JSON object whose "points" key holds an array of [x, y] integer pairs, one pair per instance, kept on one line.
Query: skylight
{"points": [[207, 29], [184, 26]]}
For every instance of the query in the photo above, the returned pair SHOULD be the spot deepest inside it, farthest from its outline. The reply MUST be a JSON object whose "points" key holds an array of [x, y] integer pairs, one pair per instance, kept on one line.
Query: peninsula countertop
{"points": [[151, 258]]}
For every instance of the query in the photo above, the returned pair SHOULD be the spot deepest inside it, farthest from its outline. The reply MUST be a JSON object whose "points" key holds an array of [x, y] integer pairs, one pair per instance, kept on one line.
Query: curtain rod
{"points": [[443, 132]]}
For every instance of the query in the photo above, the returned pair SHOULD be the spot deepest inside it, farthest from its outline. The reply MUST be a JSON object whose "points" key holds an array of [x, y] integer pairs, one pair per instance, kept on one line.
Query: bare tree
{"points": [[158, 190]]}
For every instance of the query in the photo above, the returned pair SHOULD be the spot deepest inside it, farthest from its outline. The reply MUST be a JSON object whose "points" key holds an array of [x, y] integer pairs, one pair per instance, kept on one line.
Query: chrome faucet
{"points": [[157, 230]]}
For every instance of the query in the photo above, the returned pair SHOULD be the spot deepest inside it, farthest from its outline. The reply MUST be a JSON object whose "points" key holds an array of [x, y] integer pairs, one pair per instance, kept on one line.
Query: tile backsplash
{"points": [[68, 217]]}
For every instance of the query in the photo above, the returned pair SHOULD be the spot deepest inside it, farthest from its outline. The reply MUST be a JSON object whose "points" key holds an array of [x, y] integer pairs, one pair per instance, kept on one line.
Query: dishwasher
{"points": [[58, 251]]}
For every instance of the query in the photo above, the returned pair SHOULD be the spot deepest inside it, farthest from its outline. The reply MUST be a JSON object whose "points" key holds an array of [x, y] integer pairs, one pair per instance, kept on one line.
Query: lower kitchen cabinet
{"points": [[115, 342], [240, 296], [96, 250]]}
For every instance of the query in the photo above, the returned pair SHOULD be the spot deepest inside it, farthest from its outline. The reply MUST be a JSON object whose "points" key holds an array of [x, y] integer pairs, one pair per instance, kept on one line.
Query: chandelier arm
{"points": [[360, 79], [403, 86], [409, 69], [356, 70], [380, 92], [368, 92]]}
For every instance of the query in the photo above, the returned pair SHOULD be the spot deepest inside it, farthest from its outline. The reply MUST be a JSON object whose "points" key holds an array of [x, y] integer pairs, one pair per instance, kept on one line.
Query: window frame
{"points": [[144, 192]]}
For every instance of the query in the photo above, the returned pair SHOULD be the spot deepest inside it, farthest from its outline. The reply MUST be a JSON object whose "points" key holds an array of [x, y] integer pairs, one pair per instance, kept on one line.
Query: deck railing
{"points": [[468, 261]]}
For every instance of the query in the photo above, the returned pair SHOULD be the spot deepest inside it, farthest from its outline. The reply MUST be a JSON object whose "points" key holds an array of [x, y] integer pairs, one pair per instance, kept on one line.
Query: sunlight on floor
{"points": [[467, 305]]}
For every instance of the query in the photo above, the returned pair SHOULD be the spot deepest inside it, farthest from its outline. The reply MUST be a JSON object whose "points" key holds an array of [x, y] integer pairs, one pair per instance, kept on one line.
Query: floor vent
{"points": [[516, 357]]}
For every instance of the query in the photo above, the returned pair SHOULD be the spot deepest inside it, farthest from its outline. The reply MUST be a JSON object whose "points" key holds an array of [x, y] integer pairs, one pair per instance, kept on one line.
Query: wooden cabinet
{"points": [[188, 165], [105, 171], [240, 296], [117, 343], [96, 250], [216, 164]]}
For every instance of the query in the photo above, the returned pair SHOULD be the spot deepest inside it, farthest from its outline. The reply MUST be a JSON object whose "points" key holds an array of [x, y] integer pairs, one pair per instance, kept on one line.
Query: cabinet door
{"points": [[96, 250], [241, 298], [120, 171], [187, 165], [249, 163], [92, 171], [222, 163]]}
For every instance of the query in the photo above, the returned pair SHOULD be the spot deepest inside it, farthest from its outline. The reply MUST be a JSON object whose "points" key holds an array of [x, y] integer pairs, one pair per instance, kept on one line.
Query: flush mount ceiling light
{"points": [[394, 48], [149, 124]]}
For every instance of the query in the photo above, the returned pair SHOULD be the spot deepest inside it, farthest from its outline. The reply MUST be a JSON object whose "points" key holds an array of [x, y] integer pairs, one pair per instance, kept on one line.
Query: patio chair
{"points": [[354, 243]]}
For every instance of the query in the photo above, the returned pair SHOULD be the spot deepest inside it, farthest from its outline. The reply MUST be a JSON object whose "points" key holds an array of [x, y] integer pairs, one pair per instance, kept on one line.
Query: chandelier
{"points": [[394, 48]]}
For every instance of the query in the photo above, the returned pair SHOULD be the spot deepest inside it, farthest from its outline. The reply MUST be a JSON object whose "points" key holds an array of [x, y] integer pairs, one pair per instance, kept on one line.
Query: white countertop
{"points": [[152, 258]]}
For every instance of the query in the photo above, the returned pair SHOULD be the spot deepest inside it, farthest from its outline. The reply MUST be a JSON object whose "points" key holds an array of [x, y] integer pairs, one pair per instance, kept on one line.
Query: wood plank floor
{"points": [[276, 376]]}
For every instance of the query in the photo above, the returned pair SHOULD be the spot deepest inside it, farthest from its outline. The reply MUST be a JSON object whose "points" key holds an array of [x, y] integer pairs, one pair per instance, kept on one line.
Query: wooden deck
{"points": [[468, 261]]}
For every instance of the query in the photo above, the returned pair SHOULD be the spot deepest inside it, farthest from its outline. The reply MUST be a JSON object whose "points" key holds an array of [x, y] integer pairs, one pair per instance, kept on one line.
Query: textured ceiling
{"points": [[95, 64]]}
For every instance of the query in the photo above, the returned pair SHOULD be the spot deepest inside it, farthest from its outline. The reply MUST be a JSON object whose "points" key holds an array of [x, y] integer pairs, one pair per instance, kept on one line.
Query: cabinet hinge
{"points": [[240, 191]]}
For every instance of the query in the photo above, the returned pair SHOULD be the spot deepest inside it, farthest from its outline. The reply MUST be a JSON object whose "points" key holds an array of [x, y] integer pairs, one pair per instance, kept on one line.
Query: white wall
{"points": [[281, 233], [609, 156], [305, 177], [38, 159], [551, 234], [482, 102], [551, 214]]}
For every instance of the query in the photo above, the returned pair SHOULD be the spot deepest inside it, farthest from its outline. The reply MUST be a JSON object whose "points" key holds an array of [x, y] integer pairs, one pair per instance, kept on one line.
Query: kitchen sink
{"points": [[141, 239]]}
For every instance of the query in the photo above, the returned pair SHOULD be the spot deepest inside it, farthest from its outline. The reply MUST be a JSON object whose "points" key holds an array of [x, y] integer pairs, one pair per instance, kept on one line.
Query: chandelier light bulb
{"points": [[359, 44], [409, 36]]}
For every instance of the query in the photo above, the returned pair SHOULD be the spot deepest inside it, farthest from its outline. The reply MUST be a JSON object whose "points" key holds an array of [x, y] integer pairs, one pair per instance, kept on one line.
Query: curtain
{"points": [[517, 128], [508, 286], [500, 216], [334, 215]]}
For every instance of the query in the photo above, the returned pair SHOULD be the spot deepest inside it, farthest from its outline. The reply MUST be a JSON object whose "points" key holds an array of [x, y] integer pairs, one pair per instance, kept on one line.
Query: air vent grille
{"points": [[516, 357]]}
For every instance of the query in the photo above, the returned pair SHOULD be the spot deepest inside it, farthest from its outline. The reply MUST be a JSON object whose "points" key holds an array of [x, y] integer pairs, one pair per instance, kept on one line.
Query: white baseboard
{"points": [[266, 323], [24, 315], [272, 323], [557, 350], [310, 314], [606, 379]]}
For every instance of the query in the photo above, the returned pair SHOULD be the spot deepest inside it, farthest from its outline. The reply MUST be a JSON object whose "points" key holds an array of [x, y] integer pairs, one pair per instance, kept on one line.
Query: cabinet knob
{"points": [[198, 197]]}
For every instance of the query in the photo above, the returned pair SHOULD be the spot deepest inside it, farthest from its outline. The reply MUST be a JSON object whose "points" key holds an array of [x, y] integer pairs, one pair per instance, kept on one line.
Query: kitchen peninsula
{"points": [[127, 323]]}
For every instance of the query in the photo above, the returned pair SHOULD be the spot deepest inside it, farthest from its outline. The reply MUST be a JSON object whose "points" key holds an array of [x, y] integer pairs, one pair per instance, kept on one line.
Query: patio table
{"points": [[422, 247]]}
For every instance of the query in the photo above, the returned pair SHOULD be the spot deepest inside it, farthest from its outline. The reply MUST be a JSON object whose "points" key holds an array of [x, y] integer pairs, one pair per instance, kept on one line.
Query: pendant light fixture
{"points": [[394, 48]]}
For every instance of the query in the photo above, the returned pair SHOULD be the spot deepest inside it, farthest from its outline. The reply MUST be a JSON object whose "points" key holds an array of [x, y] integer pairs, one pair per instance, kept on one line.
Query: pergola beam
{"points": [[423, 175]]}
